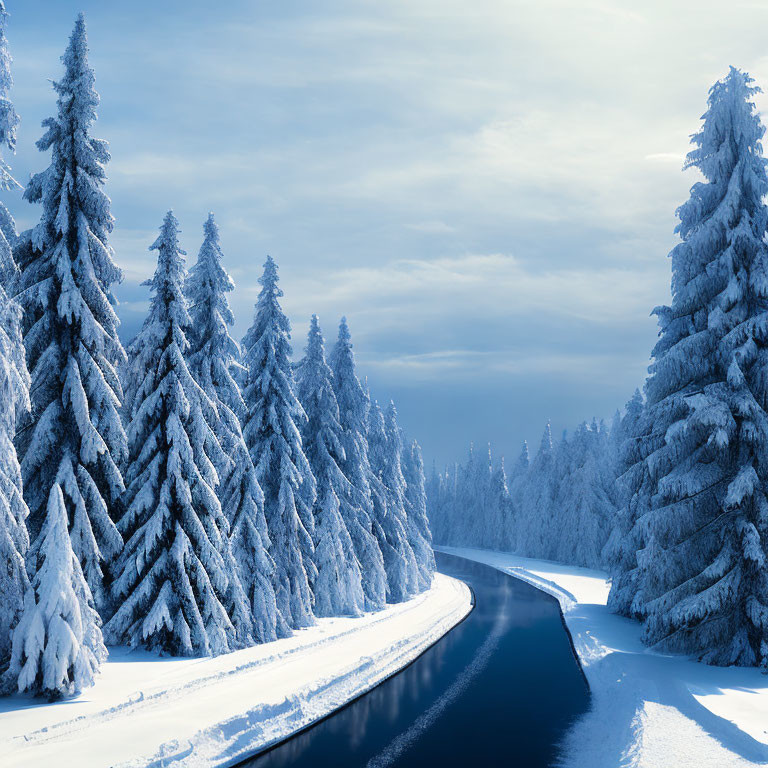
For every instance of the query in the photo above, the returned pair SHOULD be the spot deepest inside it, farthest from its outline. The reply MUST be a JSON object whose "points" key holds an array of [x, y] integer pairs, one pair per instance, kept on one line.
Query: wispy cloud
{"points": [[434, 227]]}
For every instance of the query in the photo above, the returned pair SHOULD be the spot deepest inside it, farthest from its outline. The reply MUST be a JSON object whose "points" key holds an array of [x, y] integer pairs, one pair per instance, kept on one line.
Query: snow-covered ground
{"points": [[648, 710], [151, 711]]}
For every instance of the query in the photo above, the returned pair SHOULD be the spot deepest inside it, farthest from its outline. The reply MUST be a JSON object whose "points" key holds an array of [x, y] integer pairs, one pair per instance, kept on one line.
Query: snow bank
{"points": [[649, 710], [150, 711]]}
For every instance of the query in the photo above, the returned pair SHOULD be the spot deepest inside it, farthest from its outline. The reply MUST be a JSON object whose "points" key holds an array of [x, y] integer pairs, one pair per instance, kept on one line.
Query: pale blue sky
{"points": [[485, 189]]}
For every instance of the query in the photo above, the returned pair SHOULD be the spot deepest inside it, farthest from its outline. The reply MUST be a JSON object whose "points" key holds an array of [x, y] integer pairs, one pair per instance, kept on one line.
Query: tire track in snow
{"points": [[423, 722]]}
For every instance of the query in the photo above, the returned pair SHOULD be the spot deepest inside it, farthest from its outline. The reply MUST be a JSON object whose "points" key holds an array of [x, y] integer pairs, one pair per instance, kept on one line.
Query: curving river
{"points": [[499, 689]]}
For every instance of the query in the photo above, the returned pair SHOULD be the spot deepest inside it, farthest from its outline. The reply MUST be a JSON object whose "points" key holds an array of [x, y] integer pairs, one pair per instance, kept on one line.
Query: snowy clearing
{"points": [[146, 710], [649, 710]]}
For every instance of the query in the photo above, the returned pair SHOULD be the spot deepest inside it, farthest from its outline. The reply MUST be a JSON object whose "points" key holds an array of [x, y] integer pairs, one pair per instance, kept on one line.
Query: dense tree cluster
{"points": [[560, 506], [189, 496]]}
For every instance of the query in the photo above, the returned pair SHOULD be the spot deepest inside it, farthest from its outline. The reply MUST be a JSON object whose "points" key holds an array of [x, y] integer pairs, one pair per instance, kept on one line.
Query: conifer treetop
{"points": [[546, 440], [207, 286], [9, 119]]}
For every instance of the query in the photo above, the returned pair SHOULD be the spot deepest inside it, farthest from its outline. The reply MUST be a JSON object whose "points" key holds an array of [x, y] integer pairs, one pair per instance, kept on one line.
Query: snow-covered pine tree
{"points": [[394, 481], [584, 509], [517, 483], [433, 487], [9, 121], [214, 361], [523, 461], [441, 504], [537, 495], [14, 540], [57, 645], [272, 431], [14, 387], [388, 518], [436, 494], [500, 519], [172, 574], [467, 503], [620, 552], [490, 510], [338, 587], [701, 503], [74, 436], [353, 414], [419, 533], [454, 496]]}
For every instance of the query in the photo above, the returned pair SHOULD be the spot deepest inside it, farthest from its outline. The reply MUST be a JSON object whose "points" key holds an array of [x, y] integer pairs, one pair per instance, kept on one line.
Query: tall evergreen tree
{"points": [[389, 525], [173, 572], [357, 501], [272, 431], [214, 361], [501, 523], [338, 587], [523, 461], [386, 461], [620, 553], [700, 502], [419, 533], [74, 437], [14, 387], [538, 492], [584, 510], [57, 645], [14, 540], [468, 502], [9, 121]]}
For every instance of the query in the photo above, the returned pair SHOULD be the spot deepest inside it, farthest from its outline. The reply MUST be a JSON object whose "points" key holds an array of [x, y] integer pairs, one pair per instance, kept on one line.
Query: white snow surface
{"points": [[649, 710], [150, 711]]}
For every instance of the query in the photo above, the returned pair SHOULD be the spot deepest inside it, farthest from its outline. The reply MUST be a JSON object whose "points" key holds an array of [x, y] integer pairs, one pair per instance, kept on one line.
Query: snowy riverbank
{"points": [[146, 710], [648, 710]]}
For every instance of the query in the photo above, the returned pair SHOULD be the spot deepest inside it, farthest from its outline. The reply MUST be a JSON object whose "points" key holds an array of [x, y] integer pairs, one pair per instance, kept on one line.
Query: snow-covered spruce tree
{"points": [[441, 502], [468, 487], [388, 511], [172, 575], [57, 645], [516, 483], [537, 495], [478, 490], [394, 482], [436, 494], [620, 552], [357, 503], [467, 505], [523, 461], [433, 487], [272, 430], [9, 121], [584, 509], [14, 387], [701, 503], [214, 360], [14, 540], [74, 436], [419, 533], [500, 517], [338, 587]]}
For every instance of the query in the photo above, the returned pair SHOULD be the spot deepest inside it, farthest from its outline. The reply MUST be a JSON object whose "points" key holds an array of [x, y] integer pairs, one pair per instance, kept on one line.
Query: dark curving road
{"points": [[499, 689]]}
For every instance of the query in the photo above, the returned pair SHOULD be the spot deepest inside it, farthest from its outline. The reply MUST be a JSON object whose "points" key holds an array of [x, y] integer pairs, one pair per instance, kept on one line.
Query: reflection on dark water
{"points": [[499, 689]]}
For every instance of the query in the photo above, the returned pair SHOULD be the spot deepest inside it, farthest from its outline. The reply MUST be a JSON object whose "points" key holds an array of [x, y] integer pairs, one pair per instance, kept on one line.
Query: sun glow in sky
{"points": [[486, 190]]}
